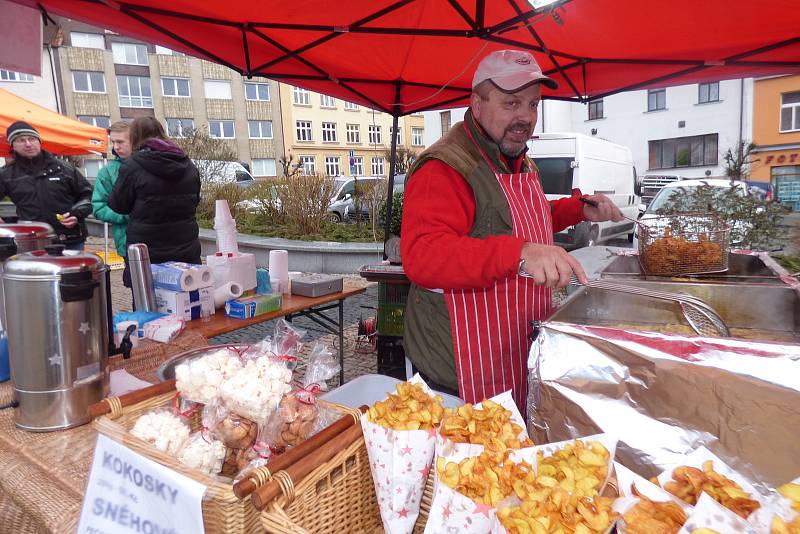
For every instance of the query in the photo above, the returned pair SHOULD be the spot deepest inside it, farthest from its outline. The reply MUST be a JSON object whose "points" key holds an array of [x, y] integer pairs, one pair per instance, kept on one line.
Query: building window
{"points": [[332, 165], [444, 118], [309, 164], [357, 166], [353, 133], [87, 40], [374, 134], [217, 89], [350, 106], [328, 132], [134, 92], [164, 51], [399, 135], [786, 180], [708, 92], [301, 96], [175, 86], [416, 136], [790, 111], [377, 166], [179, 127], [264, 167], [100, 122], [596, 109], [88, 82], [256, 91], [11, 76], [326, 101], [695, 151], [304, 131], [129, 53], [656, 99], [92, 166], [222, 129], [260, 129]]}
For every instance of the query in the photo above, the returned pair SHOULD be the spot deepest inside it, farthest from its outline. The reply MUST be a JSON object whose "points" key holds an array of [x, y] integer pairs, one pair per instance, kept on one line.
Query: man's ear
{"points": [[475, 105]]}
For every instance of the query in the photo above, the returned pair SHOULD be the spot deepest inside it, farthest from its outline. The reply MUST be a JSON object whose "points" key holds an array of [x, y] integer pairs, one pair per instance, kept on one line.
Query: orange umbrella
{"points": [[60, 134]]}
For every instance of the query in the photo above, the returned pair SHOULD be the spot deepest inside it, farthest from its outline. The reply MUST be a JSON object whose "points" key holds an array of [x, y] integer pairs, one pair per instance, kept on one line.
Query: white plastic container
{"points": [[368, 389]]}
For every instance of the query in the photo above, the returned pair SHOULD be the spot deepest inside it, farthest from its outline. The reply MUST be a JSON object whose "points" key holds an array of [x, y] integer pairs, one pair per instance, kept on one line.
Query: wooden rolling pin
{"points": [[299, 470], [246, 486], [132, 397]]}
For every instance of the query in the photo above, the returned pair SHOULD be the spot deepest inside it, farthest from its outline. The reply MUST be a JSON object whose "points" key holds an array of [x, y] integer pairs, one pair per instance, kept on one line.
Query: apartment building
{"points": [[678, 131], [330, 136], [106, 77], [776, 133], [38, 89]]}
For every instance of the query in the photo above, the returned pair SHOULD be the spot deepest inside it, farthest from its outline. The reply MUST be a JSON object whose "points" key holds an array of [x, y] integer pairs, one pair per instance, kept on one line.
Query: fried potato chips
{"points": [[410, 409], [469, 424]]}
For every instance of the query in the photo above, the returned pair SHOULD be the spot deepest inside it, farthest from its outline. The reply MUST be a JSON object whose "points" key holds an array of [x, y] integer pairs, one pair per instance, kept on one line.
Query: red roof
{"points": [[402, 56]]}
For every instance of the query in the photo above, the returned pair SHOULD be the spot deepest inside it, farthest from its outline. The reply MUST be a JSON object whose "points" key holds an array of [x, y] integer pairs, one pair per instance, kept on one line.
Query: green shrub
{"points": [[210, 192], [397, 214]]}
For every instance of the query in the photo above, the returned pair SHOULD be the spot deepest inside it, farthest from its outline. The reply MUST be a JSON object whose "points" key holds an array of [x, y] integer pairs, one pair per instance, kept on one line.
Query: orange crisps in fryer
{"points": [[469, 424], [410, 409], [548, 510], [653, 517], [488, 478], [579, 468], [689, 482]]}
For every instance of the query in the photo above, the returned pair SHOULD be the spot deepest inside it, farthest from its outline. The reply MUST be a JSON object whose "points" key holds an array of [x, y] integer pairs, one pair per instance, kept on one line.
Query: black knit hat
{"points": [[21, 128]]}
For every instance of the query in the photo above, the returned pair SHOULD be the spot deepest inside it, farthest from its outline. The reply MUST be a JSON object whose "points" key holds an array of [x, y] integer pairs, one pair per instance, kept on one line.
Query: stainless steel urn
{"points": [[57, 335], [16, 238]]}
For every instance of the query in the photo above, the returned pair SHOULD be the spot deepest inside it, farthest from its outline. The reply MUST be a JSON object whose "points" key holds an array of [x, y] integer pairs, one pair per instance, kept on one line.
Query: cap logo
{"points": [[523, 60]]}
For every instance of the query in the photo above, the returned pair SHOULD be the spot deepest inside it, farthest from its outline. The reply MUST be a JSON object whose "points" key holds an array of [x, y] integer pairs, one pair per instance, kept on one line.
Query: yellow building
{"points": [[330, 136], [776, 132]]}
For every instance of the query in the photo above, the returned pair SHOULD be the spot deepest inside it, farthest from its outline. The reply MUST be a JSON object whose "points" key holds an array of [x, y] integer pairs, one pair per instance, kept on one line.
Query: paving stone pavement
{"points": [[357, 362]]}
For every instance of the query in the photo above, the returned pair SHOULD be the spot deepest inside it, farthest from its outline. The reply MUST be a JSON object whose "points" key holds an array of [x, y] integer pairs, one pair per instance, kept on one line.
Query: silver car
{"points": [[343, 197]]}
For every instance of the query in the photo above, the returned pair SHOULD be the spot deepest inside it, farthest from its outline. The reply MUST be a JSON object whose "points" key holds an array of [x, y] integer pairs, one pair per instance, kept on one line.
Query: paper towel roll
{"points": [[205, 277], [279, 269], [174, 276], [226, 292]]}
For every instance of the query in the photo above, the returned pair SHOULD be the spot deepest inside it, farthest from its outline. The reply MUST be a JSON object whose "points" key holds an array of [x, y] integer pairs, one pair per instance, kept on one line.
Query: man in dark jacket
{"points": [[159, 187], [44, 188]]}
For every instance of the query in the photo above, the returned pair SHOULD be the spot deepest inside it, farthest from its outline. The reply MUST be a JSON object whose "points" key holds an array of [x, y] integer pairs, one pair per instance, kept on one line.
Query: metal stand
{"points": [[330, 325]]}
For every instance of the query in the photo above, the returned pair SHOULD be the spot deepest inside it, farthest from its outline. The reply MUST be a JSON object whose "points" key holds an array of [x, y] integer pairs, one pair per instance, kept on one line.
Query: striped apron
{"points": [[491, 326]]}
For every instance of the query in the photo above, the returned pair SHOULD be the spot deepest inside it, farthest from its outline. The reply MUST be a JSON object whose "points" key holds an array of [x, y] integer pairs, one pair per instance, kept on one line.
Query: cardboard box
{"points": [[185, 304], [245, 308]]}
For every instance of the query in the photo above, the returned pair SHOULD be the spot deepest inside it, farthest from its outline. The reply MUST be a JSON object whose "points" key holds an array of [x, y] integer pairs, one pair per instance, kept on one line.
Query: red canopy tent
{"points": [[404, 56]]}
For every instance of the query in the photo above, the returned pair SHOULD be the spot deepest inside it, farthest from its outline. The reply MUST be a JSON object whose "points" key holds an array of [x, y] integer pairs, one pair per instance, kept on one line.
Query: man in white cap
{"points": [[475, 219]]}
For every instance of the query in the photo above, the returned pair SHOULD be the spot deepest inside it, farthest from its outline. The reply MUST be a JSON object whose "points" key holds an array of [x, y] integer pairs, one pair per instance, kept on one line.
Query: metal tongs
{"points": [[701, 317]]}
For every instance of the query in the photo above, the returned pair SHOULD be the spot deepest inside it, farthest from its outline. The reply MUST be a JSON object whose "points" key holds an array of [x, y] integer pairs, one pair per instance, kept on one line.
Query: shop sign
{"points": [[130, 493], [781, 159]]}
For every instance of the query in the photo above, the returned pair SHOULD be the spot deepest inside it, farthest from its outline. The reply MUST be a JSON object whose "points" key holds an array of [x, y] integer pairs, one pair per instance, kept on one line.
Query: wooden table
{"points": [[292, 306]]}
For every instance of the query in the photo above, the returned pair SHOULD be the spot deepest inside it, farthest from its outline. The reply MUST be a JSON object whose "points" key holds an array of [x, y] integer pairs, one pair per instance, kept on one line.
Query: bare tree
{"points": [[738, 161], [209, 154], [289, 167], [405, 158]]}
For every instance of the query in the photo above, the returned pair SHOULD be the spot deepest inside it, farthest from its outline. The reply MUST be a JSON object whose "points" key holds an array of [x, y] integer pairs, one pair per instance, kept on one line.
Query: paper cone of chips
{"points": [[399, 433]]}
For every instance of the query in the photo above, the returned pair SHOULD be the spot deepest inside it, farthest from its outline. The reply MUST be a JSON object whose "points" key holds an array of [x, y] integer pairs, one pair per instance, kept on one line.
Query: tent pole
{"points": [[392, 167]]}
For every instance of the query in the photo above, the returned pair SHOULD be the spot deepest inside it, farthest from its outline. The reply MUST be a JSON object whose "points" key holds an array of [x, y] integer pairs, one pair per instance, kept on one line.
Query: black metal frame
{"points": [[331, 325]]}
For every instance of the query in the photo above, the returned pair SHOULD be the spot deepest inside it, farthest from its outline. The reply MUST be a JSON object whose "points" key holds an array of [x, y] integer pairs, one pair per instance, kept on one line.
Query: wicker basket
{"points": [[223, 512], [675, 245], [338, 496]]}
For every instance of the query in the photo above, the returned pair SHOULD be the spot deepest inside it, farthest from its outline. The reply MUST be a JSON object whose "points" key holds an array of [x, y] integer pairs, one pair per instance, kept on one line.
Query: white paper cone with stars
{"points": [[400, 461]]}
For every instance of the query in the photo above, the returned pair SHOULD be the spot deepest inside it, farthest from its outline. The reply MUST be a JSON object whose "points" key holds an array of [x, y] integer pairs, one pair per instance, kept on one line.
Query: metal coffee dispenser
{"points": [[58, 335], [16, 238]]}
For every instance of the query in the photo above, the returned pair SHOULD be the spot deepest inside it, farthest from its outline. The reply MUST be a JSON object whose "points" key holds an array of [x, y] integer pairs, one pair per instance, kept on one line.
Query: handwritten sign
{"points": [[130, 493]]}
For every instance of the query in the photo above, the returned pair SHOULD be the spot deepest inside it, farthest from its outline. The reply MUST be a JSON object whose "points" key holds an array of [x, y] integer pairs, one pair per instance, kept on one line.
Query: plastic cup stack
{"points": [[225, 226]]}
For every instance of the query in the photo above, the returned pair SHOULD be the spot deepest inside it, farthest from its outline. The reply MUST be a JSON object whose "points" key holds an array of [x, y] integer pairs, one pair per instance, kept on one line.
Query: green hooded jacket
{"points": [[102, 189]]}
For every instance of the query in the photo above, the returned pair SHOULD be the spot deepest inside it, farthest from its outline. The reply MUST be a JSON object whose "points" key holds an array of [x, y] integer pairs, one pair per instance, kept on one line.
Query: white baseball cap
{"points": [[511, 71]]}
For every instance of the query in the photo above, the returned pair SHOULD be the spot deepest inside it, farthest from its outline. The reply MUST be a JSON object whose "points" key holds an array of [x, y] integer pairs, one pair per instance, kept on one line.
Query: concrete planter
{"points": [[306, 256]]}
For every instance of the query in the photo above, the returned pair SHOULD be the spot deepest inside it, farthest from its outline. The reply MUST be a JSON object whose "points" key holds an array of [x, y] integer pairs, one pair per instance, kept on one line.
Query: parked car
{"points": [[399, 187], [343, 196], [567, 161], [224, 172], [685, 187]]}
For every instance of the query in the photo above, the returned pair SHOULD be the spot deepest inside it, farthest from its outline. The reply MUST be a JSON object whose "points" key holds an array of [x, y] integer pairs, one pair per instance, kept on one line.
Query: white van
{"points": [[224, 172], [568, 161]]}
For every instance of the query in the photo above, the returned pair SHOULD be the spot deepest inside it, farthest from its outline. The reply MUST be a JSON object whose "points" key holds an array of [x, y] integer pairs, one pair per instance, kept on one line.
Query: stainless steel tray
{"points": [[742, 269]]}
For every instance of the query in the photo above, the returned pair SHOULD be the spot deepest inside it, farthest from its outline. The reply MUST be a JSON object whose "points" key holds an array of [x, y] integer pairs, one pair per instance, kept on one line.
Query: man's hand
{"points": [[67, 220], [551, 266], [605, 210]]}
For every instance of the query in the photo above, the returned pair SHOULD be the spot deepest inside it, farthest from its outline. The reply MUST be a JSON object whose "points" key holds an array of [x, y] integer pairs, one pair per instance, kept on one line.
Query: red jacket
{"points": [[438, 214]]}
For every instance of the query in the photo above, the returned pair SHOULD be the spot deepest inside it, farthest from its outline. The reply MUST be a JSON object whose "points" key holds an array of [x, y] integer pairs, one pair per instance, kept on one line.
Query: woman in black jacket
{"points": [[159, 187]]}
